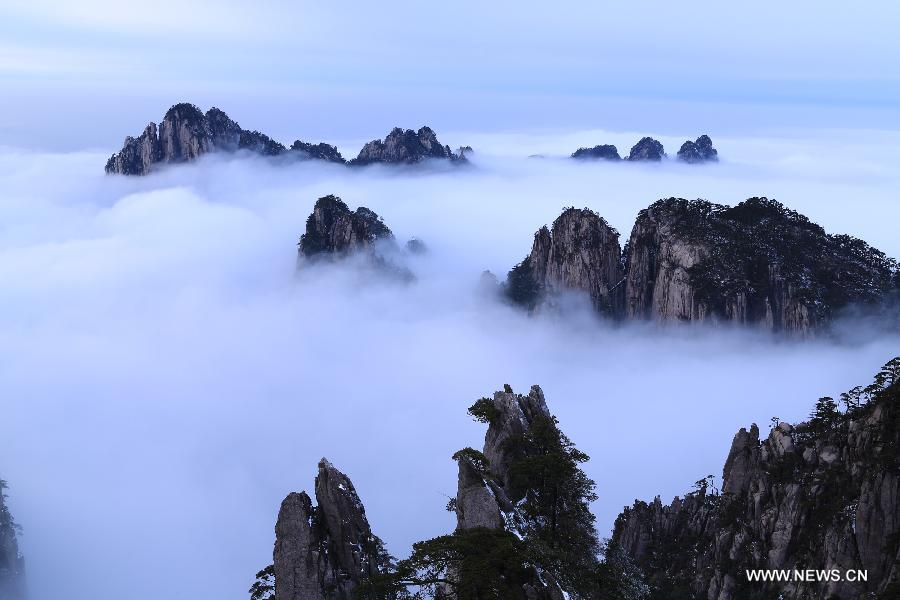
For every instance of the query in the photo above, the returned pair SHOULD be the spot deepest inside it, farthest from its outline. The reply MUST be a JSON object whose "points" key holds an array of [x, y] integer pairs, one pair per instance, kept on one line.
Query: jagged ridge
{"points": [[824, 494], [755, 263]]}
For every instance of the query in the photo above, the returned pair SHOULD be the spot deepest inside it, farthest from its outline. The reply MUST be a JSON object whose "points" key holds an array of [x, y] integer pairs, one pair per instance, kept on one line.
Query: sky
{"points": [[167, 375], [91, 72]]}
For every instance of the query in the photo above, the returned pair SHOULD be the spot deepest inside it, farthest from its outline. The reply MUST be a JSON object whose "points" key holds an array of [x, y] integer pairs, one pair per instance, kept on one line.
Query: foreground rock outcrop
{"points": [[580, 253], [757, 263], [324, 552], [524, 530], [12, 565], [698, 151], [821, 495], [405, 146], [186, 133]]}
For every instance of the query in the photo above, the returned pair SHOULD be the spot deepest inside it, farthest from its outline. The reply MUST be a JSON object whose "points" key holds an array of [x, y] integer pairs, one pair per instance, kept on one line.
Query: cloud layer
{"points": [[167, 377]]}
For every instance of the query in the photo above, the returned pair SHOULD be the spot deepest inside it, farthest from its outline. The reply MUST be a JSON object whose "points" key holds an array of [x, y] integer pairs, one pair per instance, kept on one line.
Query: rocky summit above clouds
{"points": [[581, 252], [757, 263], [186, 133], [405, 146], [698, 151], [824, 494], [647, 149], [603, 151], [334, 232], [333, 229], [12, 565]]}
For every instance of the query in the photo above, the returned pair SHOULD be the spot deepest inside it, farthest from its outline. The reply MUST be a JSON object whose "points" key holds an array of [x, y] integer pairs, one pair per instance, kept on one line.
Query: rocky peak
{"points": [[138, 155], [225, 134], [333, 229], [324, 552], [647, 149], [513, 416], [580, 253], [757, 262], [824, 494], [12, 565], [604, 152], [405, 146], [698, 151], [185, 134]]}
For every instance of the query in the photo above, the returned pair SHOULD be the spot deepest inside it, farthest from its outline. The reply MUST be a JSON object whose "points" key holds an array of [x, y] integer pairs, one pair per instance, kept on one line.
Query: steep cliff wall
{"points": [[822, 495], [756, 262], [324, 552], [580, 253]]}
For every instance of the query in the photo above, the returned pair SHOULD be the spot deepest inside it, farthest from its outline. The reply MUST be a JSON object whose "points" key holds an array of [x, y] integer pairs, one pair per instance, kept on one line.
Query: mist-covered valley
{"points": [[169, 375]]}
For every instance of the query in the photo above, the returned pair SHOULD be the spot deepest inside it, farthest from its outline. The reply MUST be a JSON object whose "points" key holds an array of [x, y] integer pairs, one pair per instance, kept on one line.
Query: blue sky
{"points": [[82, 75]]}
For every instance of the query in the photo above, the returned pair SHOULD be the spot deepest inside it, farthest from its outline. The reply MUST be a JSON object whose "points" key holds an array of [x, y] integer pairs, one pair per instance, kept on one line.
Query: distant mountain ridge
{"points": [[187, 133]]}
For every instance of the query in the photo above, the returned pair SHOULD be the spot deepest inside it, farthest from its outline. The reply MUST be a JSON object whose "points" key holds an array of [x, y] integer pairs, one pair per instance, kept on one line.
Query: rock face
{"points": [[820, 495], [580, 253], [185, 134], [12, 565], [324, 552], [407, 147], [756, 262], [333, 229], [487, 494], [604, 151], [698, 151], [647, 149]]}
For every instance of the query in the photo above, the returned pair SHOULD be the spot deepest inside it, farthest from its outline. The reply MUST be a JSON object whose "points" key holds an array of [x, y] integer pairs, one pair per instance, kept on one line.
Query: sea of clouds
{"points": [[167, 376]]}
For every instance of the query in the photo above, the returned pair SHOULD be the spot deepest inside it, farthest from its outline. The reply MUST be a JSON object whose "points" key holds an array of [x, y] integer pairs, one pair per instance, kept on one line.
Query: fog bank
{"points": [[167, 377]]}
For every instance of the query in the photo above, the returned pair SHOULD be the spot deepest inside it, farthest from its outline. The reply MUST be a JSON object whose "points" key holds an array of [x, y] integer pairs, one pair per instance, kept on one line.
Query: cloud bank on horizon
{"points": [[171, 377]]}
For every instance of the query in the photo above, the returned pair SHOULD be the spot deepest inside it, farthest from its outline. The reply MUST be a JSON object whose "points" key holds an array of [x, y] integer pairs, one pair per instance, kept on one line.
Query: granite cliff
{"points": [[12, 565], [757, 263], [334, 230], [754, 263], [323, 551], [824, 495], [581, 252]]}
